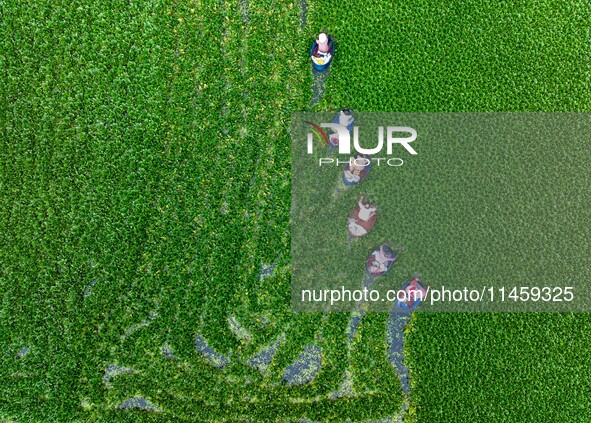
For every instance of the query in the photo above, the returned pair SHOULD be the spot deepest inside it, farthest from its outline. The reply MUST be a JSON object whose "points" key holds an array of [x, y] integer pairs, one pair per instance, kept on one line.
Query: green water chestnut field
{"points": [[145, 194]]}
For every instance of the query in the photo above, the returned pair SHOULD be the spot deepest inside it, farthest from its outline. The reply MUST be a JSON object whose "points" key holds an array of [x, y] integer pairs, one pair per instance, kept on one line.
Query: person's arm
{"points": [[315, 50], [384, 255]]}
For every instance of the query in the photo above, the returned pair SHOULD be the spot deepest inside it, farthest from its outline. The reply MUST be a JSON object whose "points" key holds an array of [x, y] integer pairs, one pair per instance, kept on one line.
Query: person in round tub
{"points": [[362, 218], [322, 51], [345, 118], [380, 261], [356, 169]]}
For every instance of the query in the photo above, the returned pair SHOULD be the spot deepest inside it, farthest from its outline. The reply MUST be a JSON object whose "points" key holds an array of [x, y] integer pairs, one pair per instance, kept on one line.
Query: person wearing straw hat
{"points": [[356, 169], [380, 261], [322, 42], [362, 218], [322, 51], [345, 118]]}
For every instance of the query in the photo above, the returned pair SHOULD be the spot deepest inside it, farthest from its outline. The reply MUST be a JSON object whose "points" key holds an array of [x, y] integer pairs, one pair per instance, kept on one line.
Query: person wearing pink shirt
{"points": [[322, 51], [322, 42]]}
